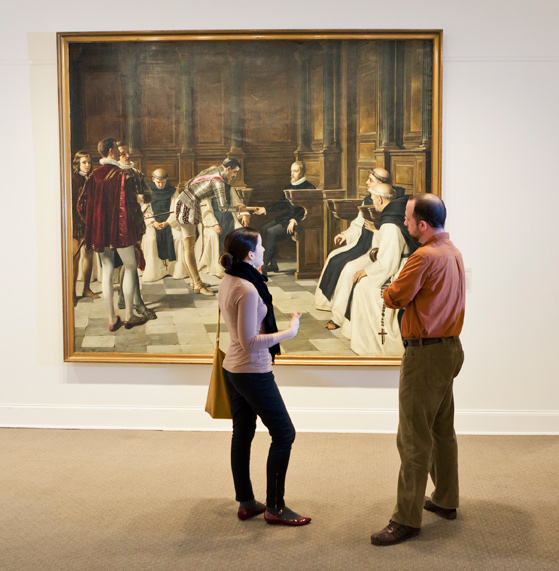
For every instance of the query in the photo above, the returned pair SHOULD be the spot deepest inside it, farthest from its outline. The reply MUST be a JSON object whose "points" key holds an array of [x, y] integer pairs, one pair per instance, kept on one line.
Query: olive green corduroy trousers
{"points": [[426, 438]]}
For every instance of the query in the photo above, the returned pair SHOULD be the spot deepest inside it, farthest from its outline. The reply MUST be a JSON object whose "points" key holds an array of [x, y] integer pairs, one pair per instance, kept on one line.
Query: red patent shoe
{"points": [[246, 513], [278, 520]]}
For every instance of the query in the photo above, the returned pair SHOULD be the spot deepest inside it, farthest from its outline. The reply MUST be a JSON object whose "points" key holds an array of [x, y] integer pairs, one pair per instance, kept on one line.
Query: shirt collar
{"points": [[107, 161], [300, 181], [437, 238]]}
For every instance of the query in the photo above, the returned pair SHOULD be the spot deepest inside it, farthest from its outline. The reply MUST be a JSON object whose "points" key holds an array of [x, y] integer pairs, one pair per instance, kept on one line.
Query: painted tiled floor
{"points": [[186, 322]]}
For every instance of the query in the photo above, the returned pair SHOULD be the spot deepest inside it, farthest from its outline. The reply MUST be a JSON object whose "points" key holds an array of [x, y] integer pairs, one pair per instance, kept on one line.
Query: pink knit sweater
{"points": [[243, 311]]}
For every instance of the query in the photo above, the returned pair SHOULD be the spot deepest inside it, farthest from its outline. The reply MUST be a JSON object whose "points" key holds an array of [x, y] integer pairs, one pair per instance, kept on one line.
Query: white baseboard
{"points": [[305, 420]]}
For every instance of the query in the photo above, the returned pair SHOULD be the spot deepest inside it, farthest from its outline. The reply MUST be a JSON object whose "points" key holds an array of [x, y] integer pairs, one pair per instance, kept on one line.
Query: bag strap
{"points": [[218, 322]]}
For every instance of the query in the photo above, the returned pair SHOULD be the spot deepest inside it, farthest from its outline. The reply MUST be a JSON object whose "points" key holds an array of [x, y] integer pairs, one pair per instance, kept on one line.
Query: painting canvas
{"points": [[314, 120]]}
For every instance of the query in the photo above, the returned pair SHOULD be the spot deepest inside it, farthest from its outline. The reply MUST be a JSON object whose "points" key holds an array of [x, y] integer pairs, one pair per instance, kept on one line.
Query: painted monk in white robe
{"points": [[372, 327], [174, 264], [352, 243], [356, 240]]}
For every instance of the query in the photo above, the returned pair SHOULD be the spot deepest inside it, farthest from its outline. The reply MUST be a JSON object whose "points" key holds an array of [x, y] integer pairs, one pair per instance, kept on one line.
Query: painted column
{"points": [[387, 91], [427, 110], [304, 106], [329, 101], [132, 102]]}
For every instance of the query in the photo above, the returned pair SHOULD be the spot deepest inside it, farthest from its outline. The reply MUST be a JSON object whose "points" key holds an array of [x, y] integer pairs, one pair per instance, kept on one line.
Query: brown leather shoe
{"points": [[116, 325], [134, 321], [441, 512], [394, 533]]}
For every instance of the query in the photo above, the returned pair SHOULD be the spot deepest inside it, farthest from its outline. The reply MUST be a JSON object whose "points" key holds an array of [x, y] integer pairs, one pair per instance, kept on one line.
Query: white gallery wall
{"points": [[500, 184]]}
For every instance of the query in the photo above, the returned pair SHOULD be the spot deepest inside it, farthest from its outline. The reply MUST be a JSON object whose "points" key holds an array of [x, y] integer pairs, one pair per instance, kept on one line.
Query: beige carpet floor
{"points": [[136, 500]]}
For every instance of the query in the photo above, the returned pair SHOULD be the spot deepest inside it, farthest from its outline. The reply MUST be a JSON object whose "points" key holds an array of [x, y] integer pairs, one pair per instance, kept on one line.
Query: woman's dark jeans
{"points": [[252, 395]]}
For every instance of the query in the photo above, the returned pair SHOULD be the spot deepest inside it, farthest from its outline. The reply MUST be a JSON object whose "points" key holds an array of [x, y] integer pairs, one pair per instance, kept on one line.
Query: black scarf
{"points": [[247, 272]]}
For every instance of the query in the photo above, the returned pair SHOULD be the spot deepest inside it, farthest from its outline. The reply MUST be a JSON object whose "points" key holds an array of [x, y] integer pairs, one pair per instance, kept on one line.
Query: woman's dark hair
{"points": [[237, 246]]}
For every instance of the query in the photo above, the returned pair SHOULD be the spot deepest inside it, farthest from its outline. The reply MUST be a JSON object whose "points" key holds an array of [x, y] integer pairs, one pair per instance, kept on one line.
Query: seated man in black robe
{"points": [[284, 224]]}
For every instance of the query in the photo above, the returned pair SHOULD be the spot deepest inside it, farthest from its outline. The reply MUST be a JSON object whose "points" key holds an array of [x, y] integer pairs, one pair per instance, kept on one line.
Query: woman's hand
{"points": [[294, 322]]}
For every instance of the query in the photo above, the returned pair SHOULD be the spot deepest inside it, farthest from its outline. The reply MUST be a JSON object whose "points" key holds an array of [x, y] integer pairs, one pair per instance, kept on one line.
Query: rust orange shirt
{"points": [[432, 289]]}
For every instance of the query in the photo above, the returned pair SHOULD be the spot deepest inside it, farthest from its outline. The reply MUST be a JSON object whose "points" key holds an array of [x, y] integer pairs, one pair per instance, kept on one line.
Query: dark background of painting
{"points": [[342, 107]]}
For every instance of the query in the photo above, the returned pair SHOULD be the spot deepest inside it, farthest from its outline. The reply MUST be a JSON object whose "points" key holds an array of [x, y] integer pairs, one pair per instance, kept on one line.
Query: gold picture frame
{"points": [[341, 101]]}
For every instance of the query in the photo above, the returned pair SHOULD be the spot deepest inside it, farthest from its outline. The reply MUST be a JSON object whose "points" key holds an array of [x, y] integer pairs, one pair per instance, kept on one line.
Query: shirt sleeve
{"points": [[145, 190], [172, 220], [81, 205], [355, 228], [148, 215], [219, 192], [281, 204], [403, 290], [248, 332], [298, 214]]}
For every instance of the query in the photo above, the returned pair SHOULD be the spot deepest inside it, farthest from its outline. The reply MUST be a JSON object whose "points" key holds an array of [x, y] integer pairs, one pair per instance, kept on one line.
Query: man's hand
{"points": [[245, 219], [359, 276], [291, 226], [217, 229], [339, 240], [259, 210], [369, 226]]}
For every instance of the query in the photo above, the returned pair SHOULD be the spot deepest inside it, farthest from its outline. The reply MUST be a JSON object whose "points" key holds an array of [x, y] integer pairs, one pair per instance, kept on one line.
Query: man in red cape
{"points": [[113, 223]]}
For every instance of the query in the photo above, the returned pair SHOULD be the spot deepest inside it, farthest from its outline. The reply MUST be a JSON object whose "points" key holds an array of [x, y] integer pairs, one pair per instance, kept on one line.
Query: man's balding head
{"points": [[161, 174], [159, 177], [382, 194], [381, 175], [384, 191], [430, 208]]}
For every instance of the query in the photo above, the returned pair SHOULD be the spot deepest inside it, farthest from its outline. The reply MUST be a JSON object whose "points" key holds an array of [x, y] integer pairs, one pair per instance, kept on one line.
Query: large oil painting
{"points": [[314, 138]]}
